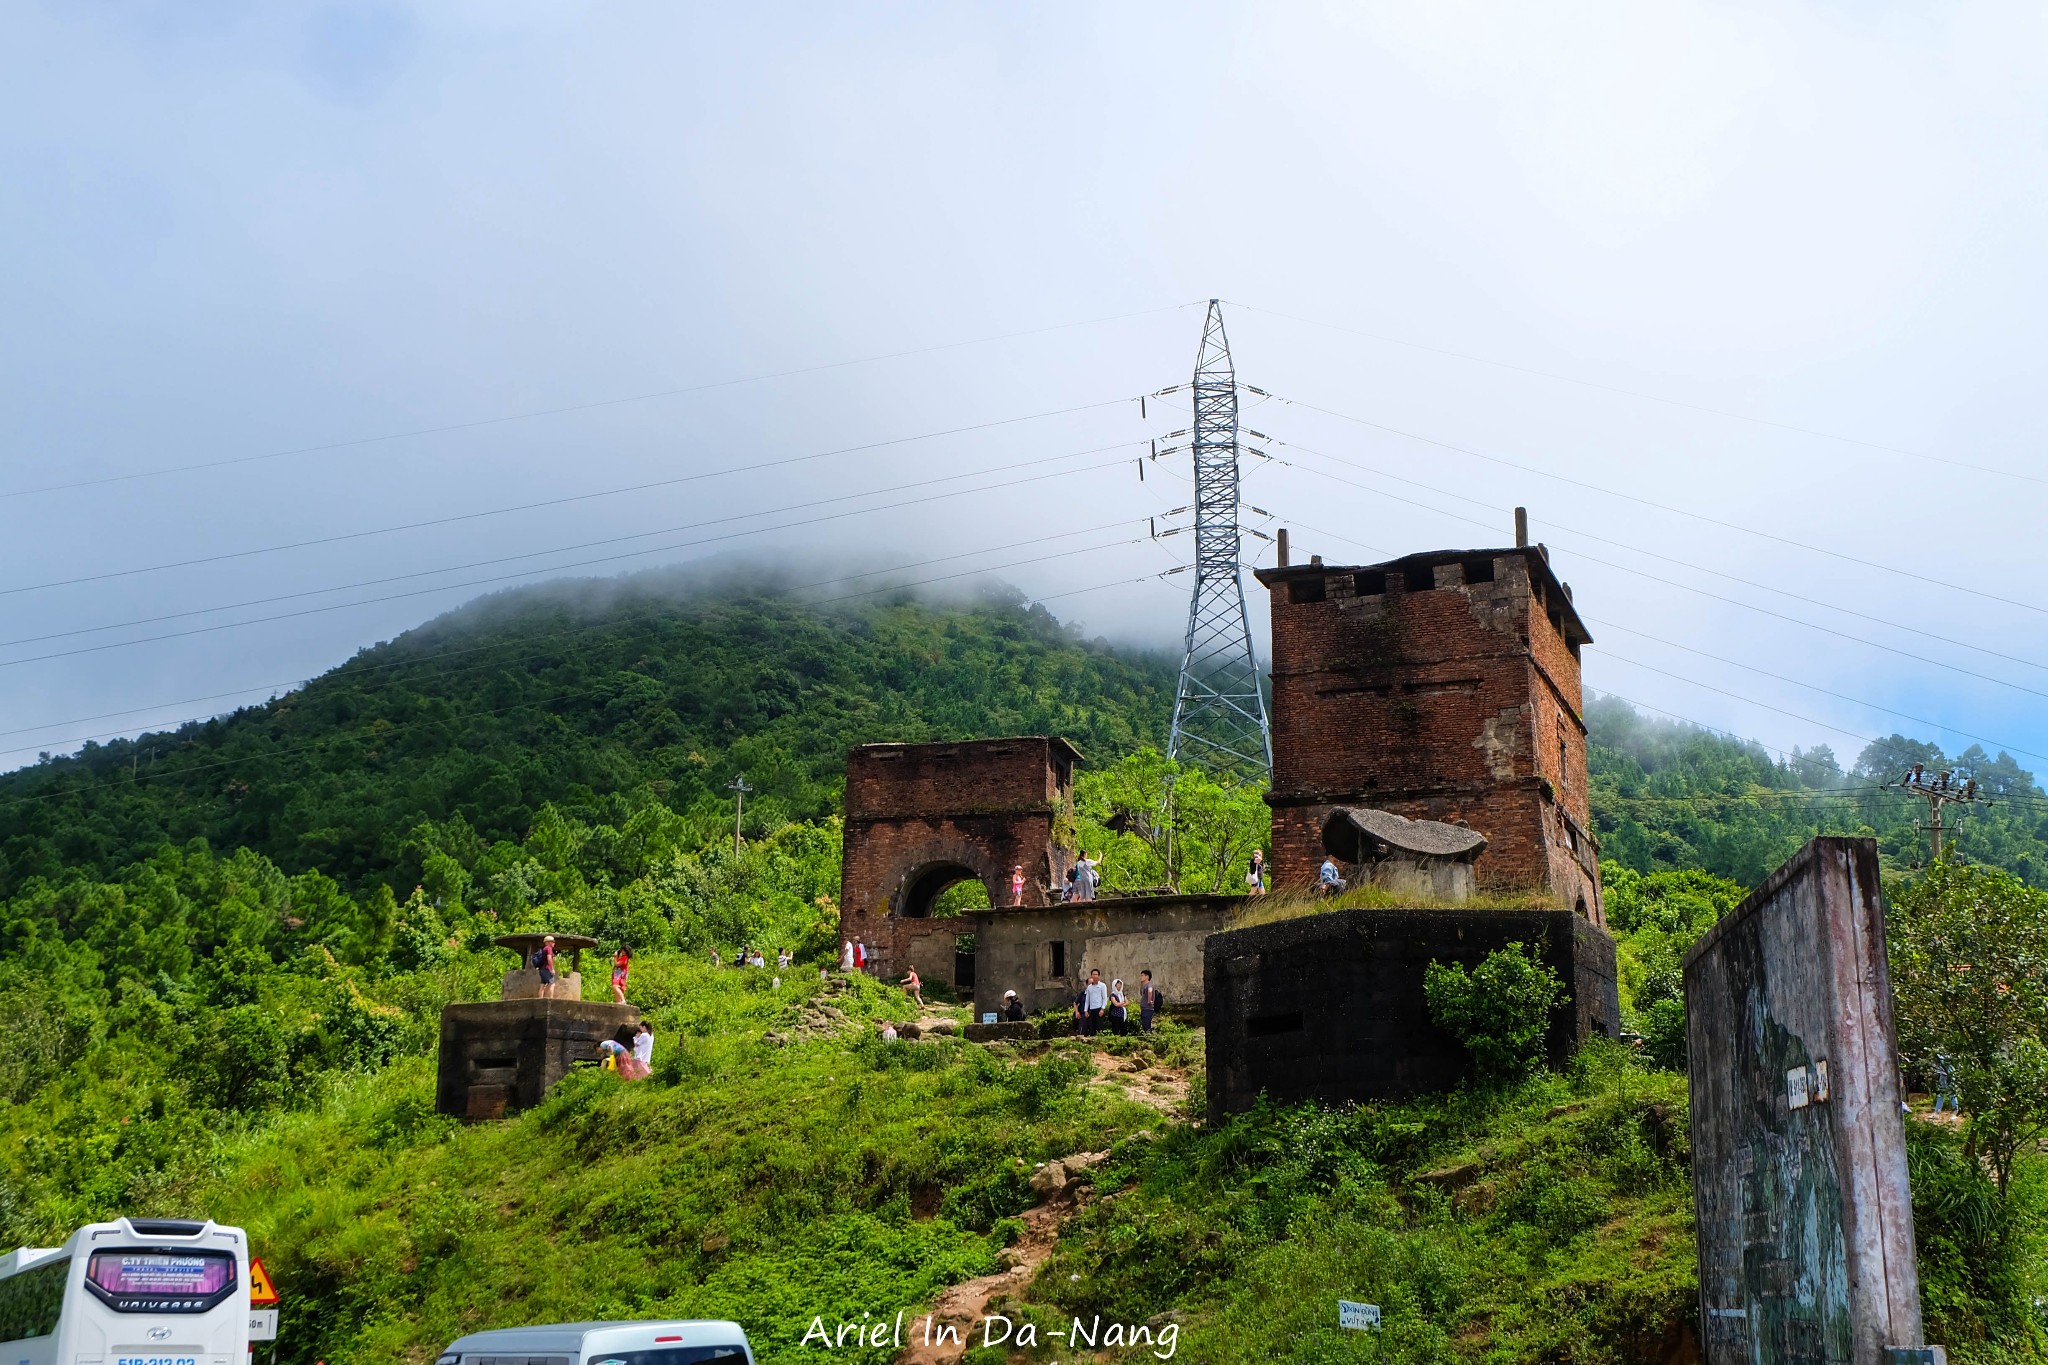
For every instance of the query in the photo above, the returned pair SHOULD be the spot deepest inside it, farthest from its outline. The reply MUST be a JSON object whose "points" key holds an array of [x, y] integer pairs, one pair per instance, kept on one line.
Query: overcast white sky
{"points": [[233, 229]]}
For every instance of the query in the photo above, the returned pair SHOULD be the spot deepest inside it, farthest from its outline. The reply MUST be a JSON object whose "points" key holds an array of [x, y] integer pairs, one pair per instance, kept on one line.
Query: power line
{"points": [[557, 696], [561, 501], [1813, 687], [353, 670], [568, 549], [1674, 583], [528, 573], [1666, 507], [577, 407], [1656, 398]]}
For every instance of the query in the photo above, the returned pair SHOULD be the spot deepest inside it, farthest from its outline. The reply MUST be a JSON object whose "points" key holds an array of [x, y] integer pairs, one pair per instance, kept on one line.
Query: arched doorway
{"points": [[939, 890]]}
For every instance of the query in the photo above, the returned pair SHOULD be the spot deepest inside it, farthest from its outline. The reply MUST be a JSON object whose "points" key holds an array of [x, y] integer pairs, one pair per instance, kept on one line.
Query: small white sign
{"points": [[1820, 1081], [988, 1018], [1795, 1088], [263, 1324], [1358, 1316]]}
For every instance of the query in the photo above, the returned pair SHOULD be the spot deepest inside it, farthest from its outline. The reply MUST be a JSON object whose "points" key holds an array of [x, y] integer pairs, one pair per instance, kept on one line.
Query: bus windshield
{"points": [[139, 1281]]}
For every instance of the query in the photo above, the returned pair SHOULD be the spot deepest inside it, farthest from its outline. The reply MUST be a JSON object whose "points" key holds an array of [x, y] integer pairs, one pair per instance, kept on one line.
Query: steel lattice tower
{"points": [[1219, 714]]}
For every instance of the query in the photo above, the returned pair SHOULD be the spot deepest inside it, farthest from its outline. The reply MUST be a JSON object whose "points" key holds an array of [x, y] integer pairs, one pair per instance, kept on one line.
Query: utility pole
{"points": [[739, 788], [1219, 709], [1946, 788]]}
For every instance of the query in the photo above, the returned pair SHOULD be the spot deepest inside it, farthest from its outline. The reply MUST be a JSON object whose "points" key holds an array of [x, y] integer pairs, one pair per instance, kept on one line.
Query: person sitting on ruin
{"points": [[1013, 1008], [1072, 892], [1329, 880], [915, 986]]}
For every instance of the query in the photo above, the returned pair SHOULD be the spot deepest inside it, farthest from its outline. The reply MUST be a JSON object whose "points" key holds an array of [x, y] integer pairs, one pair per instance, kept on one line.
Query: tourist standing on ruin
{"points": [[1017, 884], [1084, 879], [1094, 1003], [1148, 1000], [620, 965], [1256, 877], [544, 963]]}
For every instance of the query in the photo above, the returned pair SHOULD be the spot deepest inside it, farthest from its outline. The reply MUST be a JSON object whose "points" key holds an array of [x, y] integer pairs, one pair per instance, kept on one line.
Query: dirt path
{"points": [[1163, 1087], [962, 1306]]}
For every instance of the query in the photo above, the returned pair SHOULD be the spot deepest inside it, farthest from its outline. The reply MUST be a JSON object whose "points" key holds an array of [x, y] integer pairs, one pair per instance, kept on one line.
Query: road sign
{"points": [[263, 1324], [1358, 1316], [262, 1293]]}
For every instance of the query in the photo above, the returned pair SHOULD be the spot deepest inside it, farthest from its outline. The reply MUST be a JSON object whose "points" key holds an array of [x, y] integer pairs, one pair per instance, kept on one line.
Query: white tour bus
{"points": [[603, 1343], [138, 1291]]}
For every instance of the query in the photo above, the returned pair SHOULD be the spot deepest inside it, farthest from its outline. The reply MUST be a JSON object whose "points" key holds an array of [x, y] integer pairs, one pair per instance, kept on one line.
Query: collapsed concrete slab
{"points": [[1803, 1216], [1045, 954], [1330, 1006]]}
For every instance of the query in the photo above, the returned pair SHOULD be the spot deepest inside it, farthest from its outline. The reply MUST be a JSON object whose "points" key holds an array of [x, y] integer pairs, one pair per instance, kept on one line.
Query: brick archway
{"points": [[917, 812]]}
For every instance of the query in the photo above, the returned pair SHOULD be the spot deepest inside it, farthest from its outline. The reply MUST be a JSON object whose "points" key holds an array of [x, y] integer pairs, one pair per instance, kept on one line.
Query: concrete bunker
{"points": [[1330, 1006], [500, 1056], [1428, 859]]}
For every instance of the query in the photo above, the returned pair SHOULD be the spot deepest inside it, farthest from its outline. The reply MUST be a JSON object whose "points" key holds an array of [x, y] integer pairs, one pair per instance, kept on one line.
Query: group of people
{"points": [[1102, 1004], [633, 1060], [753, 957], [1082, 879]]}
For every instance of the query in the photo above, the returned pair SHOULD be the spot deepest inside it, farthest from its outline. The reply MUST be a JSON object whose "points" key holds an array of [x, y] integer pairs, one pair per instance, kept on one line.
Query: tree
{"points": [[1499, 1010], [1969, 957], [1156, 823]]}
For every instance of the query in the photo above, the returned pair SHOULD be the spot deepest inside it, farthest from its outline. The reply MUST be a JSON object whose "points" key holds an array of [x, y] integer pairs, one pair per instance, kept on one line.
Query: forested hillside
{"points": [[576, 694], [661, 688]]}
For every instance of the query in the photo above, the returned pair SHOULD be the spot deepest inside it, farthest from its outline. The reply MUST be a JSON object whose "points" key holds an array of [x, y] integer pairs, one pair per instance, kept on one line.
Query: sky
{"points": [[323, 319]]}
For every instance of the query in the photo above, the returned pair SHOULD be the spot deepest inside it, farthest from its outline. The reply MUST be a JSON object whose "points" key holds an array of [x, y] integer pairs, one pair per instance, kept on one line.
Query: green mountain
{"points": [[575, 694]]}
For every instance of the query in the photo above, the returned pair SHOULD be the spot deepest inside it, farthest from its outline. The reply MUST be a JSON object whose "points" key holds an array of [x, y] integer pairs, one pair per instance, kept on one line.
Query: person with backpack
{"points": [[1149, 1000], [544, 963]]}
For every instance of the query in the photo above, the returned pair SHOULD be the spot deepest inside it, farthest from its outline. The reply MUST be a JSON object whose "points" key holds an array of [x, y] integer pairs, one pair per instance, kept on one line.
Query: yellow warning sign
{"points": [[262, 1293]]}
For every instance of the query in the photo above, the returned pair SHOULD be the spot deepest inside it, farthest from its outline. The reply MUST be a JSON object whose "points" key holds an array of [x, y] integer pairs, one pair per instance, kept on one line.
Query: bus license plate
{"points": [[159, 1358]]}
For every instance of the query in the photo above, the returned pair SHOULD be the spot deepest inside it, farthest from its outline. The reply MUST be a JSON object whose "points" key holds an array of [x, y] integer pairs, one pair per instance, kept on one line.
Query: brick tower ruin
{"points": [[1442, 686], [922, 817]]}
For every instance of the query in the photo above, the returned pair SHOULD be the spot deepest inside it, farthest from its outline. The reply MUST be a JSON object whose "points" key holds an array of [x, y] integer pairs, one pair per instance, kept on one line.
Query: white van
{"points": [[604, 1343]]}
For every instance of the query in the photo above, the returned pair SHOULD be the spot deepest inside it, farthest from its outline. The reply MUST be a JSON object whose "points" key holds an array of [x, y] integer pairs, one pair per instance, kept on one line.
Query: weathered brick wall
{"points": [[1456, 701], [918, 814]]}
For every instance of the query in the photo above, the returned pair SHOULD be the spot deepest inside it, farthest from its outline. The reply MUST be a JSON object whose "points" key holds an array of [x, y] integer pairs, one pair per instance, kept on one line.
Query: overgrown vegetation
{"points": [[223, 952], [1500, 1010]]}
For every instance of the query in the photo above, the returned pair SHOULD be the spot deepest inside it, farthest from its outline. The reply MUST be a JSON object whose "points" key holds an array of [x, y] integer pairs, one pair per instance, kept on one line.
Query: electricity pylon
{"points": [[1219, 713]]}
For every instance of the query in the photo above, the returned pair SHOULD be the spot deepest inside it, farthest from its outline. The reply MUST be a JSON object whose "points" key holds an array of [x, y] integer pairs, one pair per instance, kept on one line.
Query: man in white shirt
{"points": [[643, 1045], [1094, 1002]]}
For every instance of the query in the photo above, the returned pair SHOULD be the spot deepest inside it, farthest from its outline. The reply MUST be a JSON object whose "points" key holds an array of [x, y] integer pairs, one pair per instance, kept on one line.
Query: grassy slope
{"points": [[760, 1183]]}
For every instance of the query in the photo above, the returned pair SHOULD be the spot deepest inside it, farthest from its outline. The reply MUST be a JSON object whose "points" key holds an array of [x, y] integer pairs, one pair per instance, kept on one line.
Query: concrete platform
{"points": [[500, 1056]]}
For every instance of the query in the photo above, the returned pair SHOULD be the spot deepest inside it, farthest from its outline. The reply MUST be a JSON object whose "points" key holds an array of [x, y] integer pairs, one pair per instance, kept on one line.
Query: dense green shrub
{"points": [[1500, 1010]]}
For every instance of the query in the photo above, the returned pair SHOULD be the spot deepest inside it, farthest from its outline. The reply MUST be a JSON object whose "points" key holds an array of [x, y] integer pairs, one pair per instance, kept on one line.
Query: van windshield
{"points": [[670, 1355]]}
